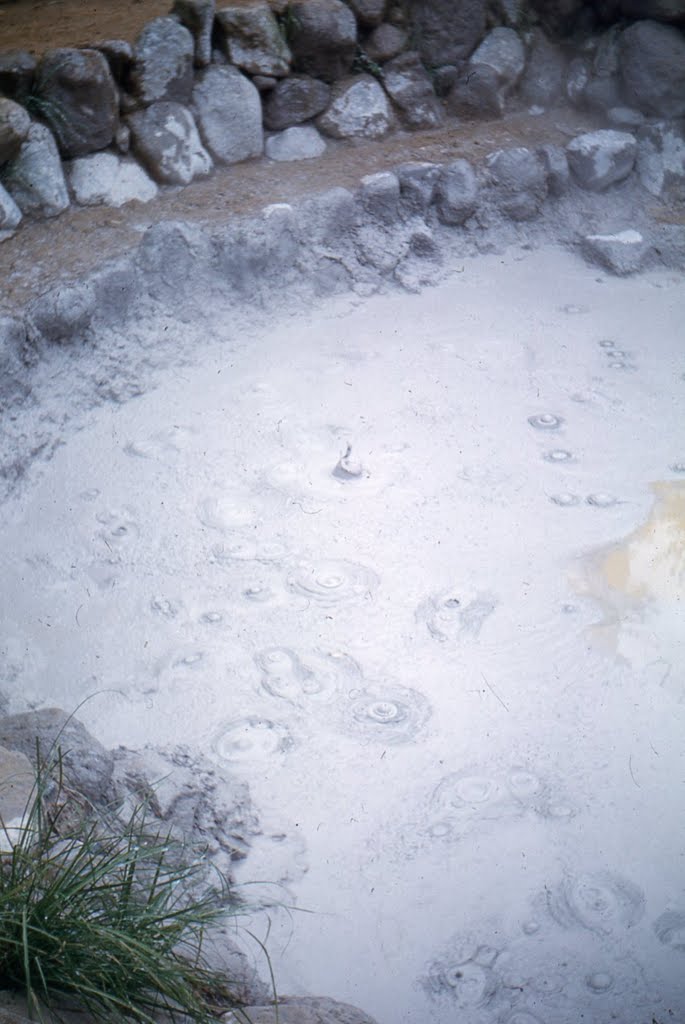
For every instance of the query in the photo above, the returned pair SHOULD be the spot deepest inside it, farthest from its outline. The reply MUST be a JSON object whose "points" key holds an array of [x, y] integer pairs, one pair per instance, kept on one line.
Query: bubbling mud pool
{"points": [[413, 567]]}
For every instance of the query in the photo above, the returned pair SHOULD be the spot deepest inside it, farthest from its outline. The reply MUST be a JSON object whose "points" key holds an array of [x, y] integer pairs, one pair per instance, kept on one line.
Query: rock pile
{"points": [[203, 86]]}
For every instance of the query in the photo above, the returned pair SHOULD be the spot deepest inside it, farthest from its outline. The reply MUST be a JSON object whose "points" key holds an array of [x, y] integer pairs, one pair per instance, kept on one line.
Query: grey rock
{"points": [[447, 30], [14, 127], [169, 262], [165, 139], [652, 67], [603, 89], [503, 51], [602, 158], [255, 255], [519, 178], [295, 99], [556, 166], [577, 78], [87, 764], [379, 197], [368, 13], [198, 18], [324, 39], [17, 68], [13, 376], [63, 315], [326, 220], [477, 92], [164, 54], [625, 117], [622, 253], [558, 17], [117, 288], [265, 83], [445, 77], [661, 158], [358, 108], [456, 192], [417, 185], [10, 214], [421, 264], [104, 178], [385, 42], [229, 114], [408, 85], [301, 142], [602, 94], [122, 139], [17, 786], [77, 97], [543, 80], [301, 1010], [222, 954], [119, 55], [660, 10], [35, 178], [251, 39]]}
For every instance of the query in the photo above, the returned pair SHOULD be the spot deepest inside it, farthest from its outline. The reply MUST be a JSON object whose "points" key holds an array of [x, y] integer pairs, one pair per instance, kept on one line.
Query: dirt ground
{"points": [[36, 25]]}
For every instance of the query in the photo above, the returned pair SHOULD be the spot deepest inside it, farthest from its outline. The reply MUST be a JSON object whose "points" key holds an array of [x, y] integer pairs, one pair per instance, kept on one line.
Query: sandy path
{"points": [[452, 667]]}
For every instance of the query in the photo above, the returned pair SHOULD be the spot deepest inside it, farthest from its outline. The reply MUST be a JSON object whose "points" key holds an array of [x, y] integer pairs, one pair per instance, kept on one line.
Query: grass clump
{"points": [[105, 915]]}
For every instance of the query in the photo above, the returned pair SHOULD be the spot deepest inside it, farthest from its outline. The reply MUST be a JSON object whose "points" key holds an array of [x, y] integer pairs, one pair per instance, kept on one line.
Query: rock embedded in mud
{"points": [[301, 1010], [661, 158], [301, 142], [556, 165], [164, 54], [293, 100], [417, 185], [165, 139], [251, 39], [358, 109], [519, 178], [76, 96], [324, 38], [229, 114], [602, 158], [652, 68], [88, 765], [409, 86], [14, 127], [456, 192], [35, 178], [622, 253]]}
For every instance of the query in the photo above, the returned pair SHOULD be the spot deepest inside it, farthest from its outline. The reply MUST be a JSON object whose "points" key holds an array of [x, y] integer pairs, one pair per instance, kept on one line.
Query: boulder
{"points": [[577, 78], [358, 109], [229, 114], [324, 38], [447, 30], [164, 54], [456, 192], [417, 185], [301, 142], [119, 55], [409, 86], [35, 178], [198, 18], [661, 158], [385, 42], [76, 95], [251, 39], [477, 92], [379, 197], [87, 764], [17, 68], [14, 127], [519, 180], [10, 214], [652, 68], [603, 90], [13, 376], [555, 162], [659, 10], [368, 13], [295, 99], [104, 178], [503, 51], [622, 253], [63, 316], [165, 139], [542, 83], [602, 158], [300, 1010]]}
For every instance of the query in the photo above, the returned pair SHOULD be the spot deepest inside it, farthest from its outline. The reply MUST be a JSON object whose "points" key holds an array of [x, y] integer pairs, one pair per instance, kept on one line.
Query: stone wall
{"points": [[202, 87]]}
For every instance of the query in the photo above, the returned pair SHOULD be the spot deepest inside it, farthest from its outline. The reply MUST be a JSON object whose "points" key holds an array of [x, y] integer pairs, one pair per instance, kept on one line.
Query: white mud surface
{"points": [[414, 569]]}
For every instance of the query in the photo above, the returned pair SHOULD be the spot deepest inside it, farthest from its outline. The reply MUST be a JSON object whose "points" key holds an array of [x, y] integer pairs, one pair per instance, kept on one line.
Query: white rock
{"points": [[602, 158], [106, 178], [358, 108], [297, 143], [623, 252]]}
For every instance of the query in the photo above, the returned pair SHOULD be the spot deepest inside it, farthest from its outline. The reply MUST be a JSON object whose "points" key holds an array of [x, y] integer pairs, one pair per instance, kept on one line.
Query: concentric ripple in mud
{"points": [[455, 614], [286, 676], [387, 714], [251, 739], [603, 902], [328, 583]]}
